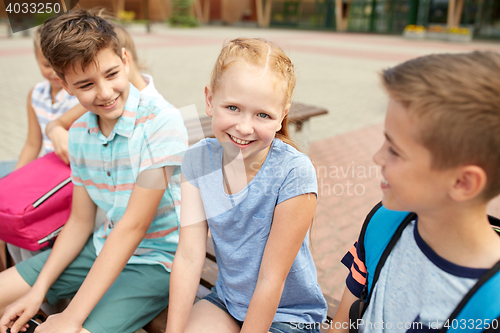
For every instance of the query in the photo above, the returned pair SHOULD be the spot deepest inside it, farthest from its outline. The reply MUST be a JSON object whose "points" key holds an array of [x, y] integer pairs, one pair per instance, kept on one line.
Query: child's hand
{"points": [[18, 313], [59, 137], [59, 323]]}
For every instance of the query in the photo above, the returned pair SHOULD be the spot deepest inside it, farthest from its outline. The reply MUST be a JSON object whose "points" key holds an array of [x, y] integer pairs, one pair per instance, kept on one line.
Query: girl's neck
{"points": [[53, 92], [136, 78], [238, 172]]}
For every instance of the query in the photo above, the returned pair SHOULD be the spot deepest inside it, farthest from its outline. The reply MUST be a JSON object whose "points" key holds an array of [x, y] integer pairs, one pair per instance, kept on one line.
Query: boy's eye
{"points": [[86, 86], [233, 108], [263, 115], [392, 151], [112, 74]]}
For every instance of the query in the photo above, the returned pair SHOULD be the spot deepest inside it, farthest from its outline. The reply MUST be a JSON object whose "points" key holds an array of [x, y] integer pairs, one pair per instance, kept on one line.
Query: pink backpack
{"points": [[35, 202]]}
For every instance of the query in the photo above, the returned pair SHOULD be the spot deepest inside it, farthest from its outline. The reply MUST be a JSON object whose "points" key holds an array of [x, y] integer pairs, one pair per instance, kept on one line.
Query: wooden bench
{"points": [[299, 117], [207, 281]]}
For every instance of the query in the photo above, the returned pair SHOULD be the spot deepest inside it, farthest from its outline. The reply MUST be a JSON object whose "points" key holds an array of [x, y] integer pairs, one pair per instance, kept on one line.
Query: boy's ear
{"points": [[469, 183], [285, 112], [126, 60], [208, 101]]}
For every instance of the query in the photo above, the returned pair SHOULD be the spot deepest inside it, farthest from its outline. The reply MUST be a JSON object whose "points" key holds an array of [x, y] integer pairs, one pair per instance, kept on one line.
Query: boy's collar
{"points": [[126, 123]]}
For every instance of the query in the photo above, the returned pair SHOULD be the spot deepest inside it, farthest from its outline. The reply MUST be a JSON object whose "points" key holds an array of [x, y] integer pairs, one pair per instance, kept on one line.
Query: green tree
{"points": [[182, 15]]}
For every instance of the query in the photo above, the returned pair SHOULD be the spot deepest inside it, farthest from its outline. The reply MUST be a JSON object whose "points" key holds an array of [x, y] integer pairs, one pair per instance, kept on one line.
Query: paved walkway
{"points": [[336, 71]]}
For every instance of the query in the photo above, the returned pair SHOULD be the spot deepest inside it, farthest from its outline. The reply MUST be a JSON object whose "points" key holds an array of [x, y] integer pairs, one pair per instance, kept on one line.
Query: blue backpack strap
{"points": [[495, 223], [492, 328], [381, 234], [479, 307]]}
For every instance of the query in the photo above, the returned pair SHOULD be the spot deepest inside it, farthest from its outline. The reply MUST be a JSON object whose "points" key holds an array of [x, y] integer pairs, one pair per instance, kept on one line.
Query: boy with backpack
{"points": [[436, 268], [125, 158]]}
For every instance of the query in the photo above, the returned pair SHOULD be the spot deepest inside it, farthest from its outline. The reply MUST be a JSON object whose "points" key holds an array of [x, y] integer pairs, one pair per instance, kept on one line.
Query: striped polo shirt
{"points": [[45, 111], [149, 134]]}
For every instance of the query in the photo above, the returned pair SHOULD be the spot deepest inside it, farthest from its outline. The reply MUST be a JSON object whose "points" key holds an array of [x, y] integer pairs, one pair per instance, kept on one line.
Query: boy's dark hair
{"points": [[74, 39], [456, 99]]}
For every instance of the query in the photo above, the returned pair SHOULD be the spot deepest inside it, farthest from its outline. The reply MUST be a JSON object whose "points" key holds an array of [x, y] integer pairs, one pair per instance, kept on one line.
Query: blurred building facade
{"points": [[482, 17]]}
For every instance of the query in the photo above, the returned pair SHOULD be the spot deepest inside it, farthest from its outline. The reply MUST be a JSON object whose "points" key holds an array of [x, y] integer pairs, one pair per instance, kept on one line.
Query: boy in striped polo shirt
{"points": [[125, 156]]}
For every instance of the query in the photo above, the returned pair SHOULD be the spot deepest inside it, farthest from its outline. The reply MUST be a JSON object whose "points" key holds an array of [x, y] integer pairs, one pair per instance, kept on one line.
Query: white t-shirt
{"points": [[150, 89]]}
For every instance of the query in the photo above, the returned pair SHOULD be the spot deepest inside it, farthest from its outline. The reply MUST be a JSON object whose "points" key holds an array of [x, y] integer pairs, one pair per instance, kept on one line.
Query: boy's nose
{"points": [[105, 93], [378, 158]]}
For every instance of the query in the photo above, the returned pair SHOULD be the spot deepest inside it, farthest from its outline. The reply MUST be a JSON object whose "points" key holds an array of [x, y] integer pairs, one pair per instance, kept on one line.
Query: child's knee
{"points": [[12, 287], [208, 318]]}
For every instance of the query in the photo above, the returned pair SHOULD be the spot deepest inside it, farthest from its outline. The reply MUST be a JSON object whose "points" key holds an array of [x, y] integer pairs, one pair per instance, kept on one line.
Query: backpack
{"points": [[35, 202], [381, 230]]}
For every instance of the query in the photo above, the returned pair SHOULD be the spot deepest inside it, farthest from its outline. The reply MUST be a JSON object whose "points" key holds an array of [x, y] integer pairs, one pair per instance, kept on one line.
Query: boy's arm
{"points": [[66, 119], [342, 315], [33, 143], [118, 248], [189, 258], [57, 131], [292, 219], [355, 282], [68, 245]]}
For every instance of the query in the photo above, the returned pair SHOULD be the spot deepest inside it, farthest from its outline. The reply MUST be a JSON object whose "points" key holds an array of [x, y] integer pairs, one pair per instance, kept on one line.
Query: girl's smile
{"points": [[239, 142]]}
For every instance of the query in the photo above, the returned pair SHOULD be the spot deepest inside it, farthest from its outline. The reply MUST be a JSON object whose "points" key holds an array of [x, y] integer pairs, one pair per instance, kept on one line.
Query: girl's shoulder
{"points": [[286, 154], [202, 155], [42, 88], [206, 144]]}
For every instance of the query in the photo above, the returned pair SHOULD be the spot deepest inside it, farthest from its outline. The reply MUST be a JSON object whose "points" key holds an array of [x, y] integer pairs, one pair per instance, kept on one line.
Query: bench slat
{"points": [[302, 112], [209, 274]]}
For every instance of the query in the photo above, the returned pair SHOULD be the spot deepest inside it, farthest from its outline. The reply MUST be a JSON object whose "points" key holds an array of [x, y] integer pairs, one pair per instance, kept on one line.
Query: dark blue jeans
{"points": [[6, 167]]}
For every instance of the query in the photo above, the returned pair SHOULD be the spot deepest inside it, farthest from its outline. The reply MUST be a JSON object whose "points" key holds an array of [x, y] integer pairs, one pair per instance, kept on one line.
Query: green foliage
{"points": [[42, 17], [181, 14]]}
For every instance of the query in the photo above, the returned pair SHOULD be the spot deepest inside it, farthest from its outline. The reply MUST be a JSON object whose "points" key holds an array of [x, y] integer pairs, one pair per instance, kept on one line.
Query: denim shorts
{"points": [[275, 327]]}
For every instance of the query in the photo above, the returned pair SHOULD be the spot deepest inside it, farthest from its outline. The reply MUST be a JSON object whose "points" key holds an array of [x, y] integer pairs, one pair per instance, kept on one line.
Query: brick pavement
{"points": [[349, 186]]}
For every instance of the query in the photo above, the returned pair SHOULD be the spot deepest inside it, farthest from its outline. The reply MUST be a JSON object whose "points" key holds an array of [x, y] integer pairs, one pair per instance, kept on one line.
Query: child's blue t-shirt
{"points": [[240, 225]]}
